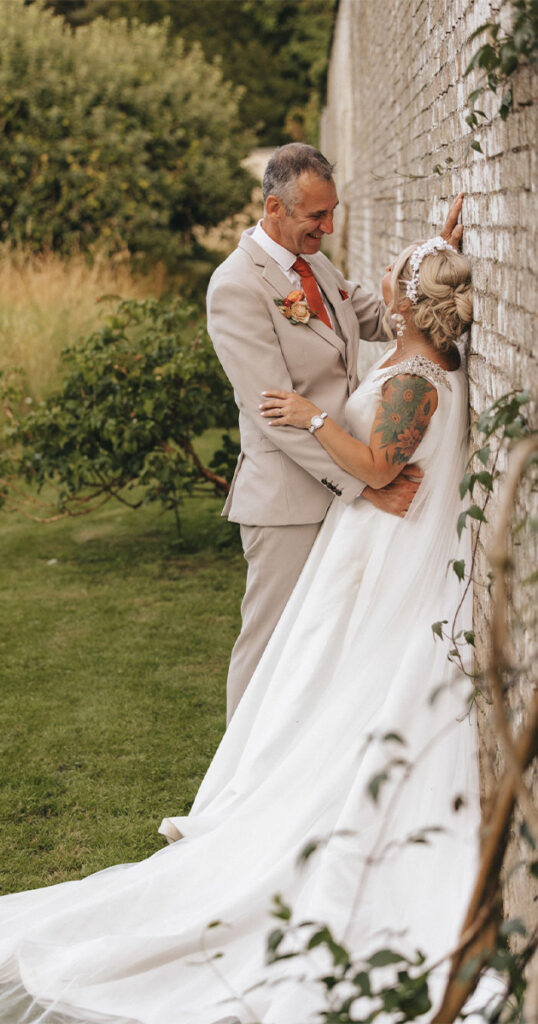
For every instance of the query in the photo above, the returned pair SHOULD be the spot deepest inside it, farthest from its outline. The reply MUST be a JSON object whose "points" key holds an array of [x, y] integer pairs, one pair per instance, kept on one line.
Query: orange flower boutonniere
{"points": [[295, 307]]}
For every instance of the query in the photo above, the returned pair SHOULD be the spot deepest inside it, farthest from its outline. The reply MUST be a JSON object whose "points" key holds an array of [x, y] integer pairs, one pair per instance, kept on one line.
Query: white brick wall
{"points": [[396, 108]]}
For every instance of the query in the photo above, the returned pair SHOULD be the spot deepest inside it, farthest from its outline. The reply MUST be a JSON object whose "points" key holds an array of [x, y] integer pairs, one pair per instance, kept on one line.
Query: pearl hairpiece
{"points": [[436, 244]]}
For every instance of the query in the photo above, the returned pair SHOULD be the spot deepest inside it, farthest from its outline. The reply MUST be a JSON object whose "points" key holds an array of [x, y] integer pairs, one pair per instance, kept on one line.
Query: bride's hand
{"points": [[452, 231], [286, 408]]}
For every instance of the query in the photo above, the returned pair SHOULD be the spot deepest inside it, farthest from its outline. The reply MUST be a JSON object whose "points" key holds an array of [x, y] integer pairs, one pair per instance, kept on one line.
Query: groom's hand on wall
{"points": [[397, 496]]}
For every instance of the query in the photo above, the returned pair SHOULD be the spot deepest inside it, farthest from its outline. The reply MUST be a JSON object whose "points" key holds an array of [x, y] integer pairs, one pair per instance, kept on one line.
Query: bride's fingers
{"points": [[451, 231], [272, 410]]}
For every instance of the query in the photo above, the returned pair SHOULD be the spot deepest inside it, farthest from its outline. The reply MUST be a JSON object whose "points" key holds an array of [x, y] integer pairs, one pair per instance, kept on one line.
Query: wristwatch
{"points": [[317, 421]]}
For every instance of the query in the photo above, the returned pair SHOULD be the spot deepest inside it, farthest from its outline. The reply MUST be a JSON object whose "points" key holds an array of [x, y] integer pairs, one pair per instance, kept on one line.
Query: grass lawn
{"points": [[113, 657]]}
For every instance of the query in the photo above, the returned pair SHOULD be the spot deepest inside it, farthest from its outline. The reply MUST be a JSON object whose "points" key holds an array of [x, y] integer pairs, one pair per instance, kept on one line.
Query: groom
{"points": [[284, 481]]}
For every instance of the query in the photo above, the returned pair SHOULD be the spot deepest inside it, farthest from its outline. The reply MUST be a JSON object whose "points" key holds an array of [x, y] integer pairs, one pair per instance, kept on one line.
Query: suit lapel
{"points": [[329, 335], [279, 282]]}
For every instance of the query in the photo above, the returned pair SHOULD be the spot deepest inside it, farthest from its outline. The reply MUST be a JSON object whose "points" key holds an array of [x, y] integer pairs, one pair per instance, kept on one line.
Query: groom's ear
{"points": [[274, 208]]}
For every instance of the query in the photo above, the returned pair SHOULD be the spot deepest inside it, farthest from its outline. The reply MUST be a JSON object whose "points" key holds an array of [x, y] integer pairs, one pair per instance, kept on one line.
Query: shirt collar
{"points": [[282, 256]]}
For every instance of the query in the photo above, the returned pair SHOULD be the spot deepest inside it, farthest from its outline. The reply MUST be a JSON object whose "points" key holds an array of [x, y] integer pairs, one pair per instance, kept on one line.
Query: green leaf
{"points": [[462, 520], [487, 58], [513, 927], [308, 849], [394, 737], [469, 636], [280, 909], [362, 982], [474, 95], [484, 454], [274, 939], [319, 938], [486, 26], [459, 568], [506, 104], [375, 784], [476, 513], [437, 628], [476, 146], [485, 478], [466, 484], [383, 957]]}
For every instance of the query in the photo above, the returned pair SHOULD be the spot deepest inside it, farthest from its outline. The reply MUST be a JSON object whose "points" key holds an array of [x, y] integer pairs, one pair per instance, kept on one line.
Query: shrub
{"points": [[112, 132], [134, 397]]}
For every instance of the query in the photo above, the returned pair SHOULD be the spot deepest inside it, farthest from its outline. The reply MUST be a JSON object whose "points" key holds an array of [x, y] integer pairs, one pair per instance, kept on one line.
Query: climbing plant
{"points": [[500, 55]]}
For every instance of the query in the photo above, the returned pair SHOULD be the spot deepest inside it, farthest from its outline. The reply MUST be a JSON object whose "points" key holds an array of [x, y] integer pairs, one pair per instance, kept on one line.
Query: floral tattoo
{"points": [[402, 420]]}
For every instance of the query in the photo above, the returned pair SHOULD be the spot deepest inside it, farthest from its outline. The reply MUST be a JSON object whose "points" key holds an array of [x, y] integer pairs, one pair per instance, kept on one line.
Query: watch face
{"points": [[317, 421]]}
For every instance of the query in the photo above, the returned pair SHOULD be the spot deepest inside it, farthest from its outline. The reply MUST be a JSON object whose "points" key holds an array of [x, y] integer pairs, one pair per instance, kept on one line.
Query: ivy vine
{"points": [[499, 57]]}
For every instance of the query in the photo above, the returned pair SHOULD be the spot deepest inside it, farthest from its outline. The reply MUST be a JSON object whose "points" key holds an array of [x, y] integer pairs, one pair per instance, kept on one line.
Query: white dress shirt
{"points": [[283, 257]]}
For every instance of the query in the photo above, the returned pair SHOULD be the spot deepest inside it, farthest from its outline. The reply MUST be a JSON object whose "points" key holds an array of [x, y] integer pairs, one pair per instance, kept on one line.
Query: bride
{"points": [[353, 700]]}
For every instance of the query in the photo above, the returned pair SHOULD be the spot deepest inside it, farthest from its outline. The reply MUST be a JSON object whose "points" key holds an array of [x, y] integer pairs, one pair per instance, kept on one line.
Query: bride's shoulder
{"points": [[419, 365]]}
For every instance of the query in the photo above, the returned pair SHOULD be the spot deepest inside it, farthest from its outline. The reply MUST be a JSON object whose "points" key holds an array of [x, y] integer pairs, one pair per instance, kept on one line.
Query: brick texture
{"points": [[395, 125]]}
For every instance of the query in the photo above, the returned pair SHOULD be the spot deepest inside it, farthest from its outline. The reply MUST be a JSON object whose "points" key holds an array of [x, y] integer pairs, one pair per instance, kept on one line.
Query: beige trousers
{"points": [[275, 556]]}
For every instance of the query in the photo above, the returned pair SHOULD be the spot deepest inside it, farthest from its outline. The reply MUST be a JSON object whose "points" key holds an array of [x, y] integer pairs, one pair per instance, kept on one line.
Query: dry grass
{"points": [[48, 302]]}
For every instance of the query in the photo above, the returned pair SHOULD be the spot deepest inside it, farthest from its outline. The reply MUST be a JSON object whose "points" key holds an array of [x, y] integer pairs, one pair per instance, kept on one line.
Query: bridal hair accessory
{"points": [[295, 307], [436, 244]]}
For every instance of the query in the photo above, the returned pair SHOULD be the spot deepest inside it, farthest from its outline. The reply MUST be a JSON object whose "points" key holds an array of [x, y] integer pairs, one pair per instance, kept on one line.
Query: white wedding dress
{"points": [[352, 661]]}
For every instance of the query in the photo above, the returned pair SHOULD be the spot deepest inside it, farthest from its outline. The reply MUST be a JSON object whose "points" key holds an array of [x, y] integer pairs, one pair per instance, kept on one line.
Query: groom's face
{"points": [[312, 217]]}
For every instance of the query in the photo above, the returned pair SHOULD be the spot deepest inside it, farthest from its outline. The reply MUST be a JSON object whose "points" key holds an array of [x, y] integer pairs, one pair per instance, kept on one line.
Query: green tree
{"points": [[112, 132], [277, 49]]}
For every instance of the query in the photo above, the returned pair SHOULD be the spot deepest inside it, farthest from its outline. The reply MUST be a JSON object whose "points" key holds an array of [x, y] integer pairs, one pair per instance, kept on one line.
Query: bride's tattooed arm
{"points": [[406, 408], [403, 416]]}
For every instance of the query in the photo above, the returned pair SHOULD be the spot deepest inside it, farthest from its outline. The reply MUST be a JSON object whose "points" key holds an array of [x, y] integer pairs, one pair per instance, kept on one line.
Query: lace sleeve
{"points": [[418, 366]]}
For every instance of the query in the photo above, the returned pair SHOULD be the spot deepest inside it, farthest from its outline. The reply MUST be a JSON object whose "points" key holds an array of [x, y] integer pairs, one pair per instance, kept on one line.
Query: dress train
{"points": [[352, 687]]}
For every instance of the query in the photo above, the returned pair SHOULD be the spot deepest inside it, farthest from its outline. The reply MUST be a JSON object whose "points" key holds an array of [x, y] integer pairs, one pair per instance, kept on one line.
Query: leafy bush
{"points": [[277, 51], [112, 132], [134, 397]]}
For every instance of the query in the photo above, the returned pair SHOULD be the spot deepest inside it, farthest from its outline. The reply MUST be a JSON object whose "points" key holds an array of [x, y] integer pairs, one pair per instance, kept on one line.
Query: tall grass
{"points": [[48, 302]]}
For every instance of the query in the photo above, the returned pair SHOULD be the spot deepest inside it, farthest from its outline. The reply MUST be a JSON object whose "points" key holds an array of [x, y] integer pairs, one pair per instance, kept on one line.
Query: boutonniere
{"points": [[295, 307], [344, 294]]}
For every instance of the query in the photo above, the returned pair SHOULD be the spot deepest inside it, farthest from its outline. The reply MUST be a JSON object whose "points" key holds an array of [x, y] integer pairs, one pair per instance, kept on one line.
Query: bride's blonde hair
{"points": [[444, 306]]}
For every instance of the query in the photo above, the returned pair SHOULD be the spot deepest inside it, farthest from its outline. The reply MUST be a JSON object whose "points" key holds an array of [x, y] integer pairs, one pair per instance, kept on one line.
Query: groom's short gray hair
{"points": [[285, 167]]}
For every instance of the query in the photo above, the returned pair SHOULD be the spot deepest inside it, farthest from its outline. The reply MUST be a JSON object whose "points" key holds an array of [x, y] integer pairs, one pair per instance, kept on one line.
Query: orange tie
{"points": [[311, 289]]}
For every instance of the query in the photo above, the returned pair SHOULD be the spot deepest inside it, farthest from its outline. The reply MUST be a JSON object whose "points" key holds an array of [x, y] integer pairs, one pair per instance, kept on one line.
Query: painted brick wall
{"points": [[395, 112]]}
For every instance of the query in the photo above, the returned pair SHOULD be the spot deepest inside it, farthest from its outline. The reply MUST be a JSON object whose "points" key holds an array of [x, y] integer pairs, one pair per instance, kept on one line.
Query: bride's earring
{"points": [[400, 329]]}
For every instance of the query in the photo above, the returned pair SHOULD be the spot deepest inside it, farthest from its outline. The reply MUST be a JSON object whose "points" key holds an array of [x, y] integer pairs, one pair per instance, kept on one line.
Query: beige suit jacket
{"points": [[283, 475]]}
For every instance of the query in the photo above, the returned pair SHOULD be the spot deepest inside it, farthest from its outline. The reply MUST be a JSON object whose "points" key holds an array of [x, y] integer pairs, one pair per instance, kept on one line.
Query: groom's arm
{"points": [[247, 345]]}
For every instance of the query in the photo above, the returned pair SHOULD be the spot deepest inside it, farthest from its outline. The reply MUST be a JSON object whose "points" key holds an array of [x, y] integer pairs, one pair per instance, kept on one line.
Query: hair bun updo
{"points": [[444, 306]]}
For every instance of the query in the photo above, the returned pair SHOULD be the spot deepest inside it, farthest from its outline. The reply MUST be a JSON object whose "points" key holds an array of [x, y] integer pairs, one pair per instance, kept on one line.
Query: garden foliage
{"points": [[112, 133], [277, 49], [133, 398]]}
